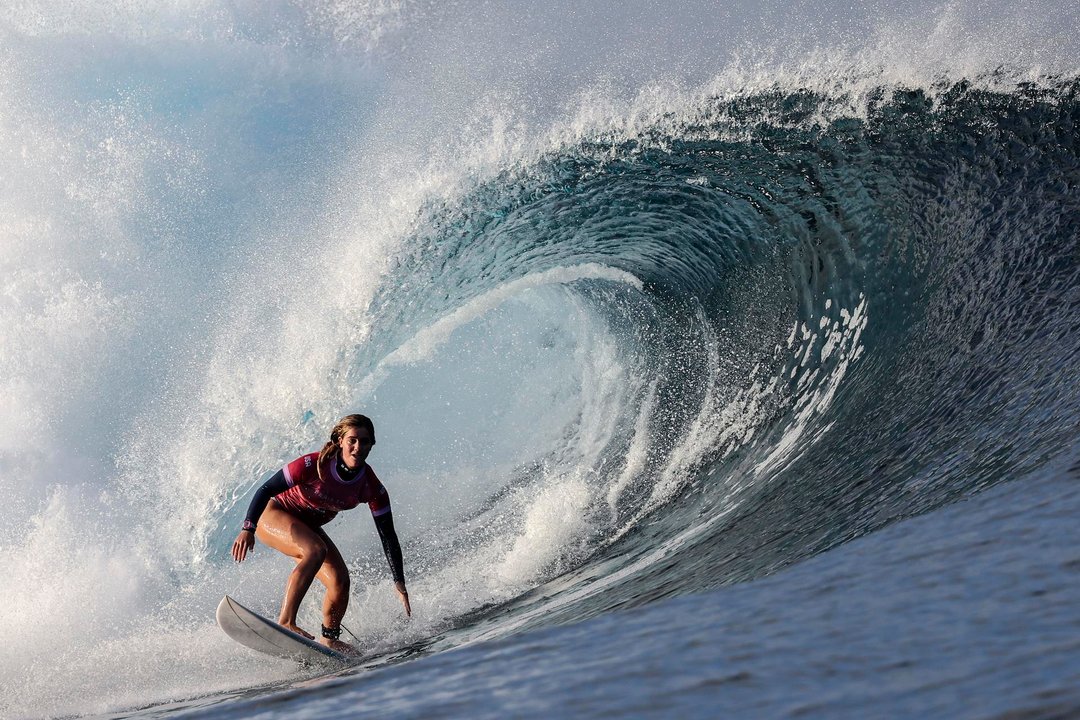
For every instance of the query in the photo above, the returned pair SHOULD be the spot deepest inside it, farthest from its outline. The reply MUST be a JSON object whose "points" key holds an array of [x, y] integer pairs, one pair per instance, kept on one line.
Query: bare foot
{"points": [[298, 630], [342, 647]]}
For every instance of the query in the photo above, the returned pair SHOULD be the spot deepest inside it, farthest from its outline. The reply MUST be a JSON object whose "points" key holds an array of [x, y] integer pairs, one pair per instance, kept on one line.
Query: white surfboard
{"points": [[256, 632]]}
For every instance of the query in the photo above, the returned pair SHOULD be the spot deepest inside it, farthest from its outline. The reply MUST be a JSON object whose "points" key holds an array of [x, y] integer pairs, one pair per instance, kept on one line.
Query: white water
{"points": [[197, 202]]}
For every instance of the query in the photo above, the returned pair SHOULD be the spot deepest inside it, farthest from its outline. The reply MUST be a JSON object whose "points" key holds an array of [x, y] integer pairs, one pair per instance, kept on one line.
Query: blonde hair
{"points": [[344, 425]]}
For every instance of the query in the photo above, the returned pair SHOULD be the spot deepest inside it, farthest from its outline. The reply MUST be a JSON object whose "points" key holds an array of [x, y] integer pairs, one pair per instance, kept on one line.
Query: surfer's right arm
{"points": [[246, 539]]}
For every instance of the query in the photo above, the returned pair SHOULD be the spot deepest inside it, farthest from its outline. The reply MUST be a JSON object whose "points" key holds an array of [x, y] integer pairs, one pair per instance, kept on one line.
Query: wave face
{"points": [[620, 342], [796, 331]]}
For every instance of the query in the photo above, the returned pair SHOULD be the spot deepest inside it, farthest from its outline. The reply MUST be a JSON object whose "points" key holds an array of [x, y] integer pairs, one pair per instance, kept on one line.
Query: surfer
{"points": [[288, 513]]}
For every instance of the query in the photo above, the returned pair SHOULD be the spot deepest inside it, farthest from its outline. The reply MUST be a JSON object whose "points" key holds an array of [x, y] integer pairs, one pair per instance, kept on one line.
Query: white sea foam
{"points": [[199, 202]]}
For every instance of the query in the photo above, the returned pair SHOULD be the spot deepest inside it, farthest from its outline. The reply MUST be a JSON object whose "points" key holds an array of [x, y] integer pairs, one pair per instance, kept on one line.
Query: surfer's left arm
{"points": [[384, 523]]}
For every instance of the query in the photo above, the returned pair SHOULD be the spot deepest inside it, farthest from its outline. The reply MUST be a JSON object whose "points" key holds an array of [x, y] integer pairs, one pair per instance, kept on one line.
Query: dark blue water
{"points": [[837, 327], [967, 612], [733, 375]]}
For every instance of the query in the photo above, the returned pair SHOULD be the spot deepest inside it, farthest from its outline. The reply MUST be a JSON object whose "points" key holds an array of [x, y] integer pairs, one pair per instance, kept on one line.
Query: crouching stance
{"points": [[289, 511]]}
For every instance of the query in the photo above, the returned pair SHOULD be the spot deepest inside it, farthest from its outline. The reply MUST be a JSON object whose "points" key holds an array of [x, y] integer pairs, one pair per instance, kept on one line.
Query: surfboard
{"points": [[256, 632]]}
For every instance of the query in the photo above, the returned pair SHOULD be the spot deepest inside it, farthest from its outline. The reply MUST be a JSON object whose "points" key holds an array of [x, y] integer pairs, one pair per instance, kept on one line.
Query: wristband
{"points": [[249, 526]]}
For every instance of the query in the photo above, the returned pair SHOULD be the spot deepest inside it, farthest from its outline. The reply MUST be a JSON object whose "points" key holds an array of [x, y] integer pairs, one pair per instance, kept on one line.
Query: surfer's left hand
{"points": [[404, 595]]}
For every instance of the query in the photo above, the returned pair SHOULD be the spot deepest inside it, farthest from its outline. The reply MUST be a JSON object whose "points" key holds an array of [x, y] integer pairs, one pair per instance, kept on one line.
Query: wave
{"points": [[619, 346], [848, 316]]}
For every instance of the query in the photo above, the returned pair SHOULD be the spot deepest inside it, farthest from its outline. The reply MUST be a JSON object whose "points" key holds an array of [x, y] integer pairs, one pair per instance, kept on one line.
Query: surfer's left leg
{"points": [[334, 575]]}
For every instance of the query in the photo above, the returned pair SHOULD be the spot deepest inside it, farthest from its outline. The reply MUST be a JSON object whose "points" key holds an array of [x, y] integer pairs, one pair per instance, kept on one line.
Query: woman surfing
{"points": [[289, 511]]}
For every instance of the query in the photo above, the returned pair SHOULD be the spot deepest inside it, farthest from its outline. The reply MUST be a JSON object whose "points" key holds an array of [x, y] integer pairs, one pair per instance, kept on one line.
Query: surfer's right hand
{"points": [[243, 544]]}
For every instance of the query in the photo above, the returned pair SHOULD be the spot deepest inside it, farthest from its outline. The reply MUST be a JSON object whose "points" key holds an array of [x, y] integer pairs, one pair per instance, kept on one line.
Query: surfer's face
{"points": [[355, 446]]}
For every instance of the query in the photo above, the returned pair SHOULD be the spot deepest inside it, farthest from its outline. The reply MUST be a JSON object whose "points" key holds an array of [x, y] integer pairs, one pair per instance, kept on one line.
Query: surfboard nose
{"points": [[256, 632]]}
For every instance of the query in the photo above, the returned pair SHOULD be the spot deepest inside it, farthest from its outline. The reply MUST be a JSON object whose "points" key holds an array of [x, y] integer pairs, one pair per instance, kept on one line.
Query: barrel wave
{"points": [[632, 331], [801, 326]]}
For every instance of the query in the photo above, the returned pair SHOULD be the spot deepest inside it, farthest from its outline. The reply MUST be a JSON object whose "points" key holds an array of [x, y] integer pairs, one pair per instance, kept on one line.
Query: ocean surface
{"points": [[723, 357]]}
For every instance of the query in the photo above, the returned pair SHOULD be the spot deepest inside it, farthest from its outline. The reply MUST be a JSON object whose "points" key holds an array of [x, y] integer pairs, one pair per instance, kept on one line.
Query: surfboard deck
{"points": [[252, 630]]}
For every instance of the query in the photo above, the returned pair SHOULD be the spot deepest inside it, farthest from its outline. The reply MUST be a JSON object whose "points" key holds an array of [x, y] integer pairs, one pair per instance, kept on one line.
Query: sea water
{"points": [[722, 357]]}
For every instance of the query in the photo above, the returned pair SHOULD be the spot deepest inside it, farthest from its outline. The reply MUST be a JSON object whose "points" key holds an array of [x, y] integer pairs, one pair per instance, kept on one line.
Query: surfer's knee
{"points": [[314, 551], [335, 576]]}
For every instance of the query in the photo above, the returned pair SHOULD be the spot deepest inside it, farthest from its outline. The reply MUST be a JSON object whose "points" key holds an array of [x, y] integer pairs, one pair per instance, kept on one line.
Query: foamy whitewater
{"points": [[722, 357]]}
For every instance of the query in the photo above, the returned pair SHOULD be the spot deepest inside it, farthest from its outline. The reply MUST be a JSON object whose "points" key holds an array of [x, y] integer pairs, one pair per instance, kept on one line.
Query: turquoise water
{"points": [[722, 358]]}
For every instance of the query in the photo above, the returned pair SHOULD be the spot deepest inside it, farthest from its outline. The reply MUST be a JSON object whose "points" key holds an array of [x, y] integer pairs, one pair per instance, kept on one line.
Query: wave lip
{"points": [[423, 343], [623, 341]]}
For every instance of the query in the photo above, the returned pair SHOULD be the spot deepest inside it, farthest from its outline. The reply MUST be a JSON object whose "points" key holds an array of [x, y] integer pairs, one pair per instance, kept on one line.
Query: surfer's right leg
{"points": [[290, 535]]}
